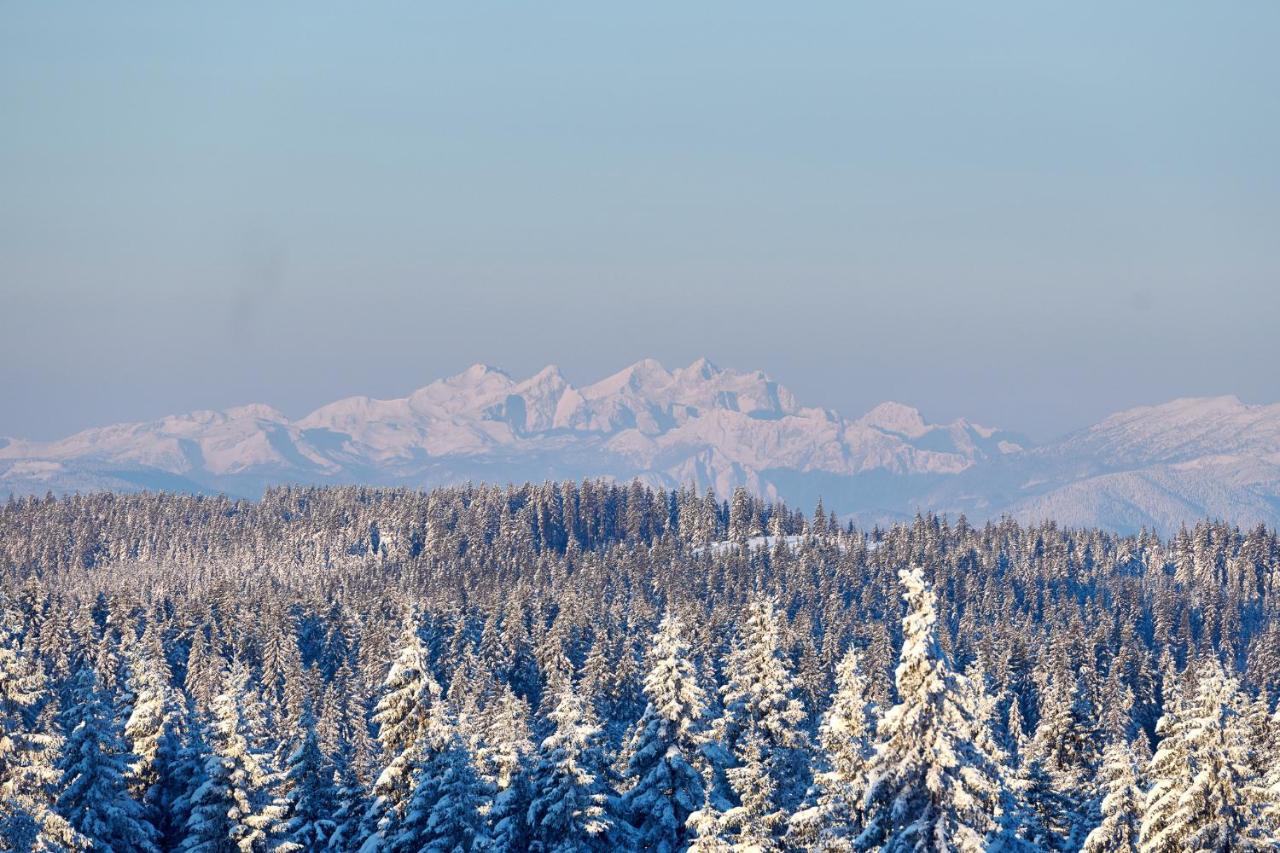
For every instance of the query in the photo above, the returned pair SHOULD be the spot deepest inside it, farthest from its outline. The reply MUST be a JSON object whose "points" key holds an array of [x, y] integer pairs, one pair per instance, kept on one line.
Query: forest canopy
{"points": [[581, 666]]}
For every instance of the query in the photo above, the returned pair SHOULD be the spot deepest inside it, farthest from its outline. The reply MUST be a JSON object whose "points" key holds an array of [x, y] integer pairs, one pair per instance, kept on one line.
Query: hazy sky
{"points": [[1029, 214]]}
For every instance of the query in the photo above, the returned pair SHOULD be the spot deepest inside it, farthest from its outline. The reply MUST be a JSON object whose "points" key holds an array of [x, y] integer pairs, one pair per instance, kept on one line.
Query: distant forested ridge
{"points": [[595, 666]]}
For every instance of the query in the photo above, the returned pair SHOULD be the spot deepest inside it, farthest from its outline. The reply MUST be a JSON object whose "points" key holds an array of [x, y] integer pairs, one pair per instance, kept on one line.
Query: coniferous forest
{"points": [[594, 666]]}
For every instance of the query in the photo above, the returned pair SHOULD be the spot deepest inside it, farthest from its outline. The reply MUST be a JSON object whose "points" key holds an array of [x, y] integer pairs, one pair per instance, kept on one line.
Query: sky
{"points": [[1026, 214]]}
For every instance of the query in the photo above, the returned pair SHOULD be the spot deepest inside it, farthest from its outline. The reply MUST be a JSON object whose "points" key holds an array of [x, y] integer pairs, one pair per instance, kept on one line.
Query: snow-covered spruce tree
{"points": [[1216, 811], [444, 814], [505, 747], [1063, 749], [1121, 804], [149, 681], [744, 522], [457, 821], [846, 735], [1169, 771], [179, 767], [235, 807], [1267, 791], [929, 786], [350, 800], [28, 748], [707, 831], [755, 823], [666, 786], [436, 736], [508, 819], [408, 694], [504, 739], [571, 806], [310, 801], [212, 807], [93, 795], [760, 704], [203, 678]]}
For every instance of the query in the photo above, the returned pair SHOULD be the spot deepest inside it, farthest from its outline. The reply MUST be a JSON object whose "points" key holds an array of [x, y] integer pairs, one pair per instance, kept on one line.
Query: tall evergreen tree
{"points": [[310, 801], [1168, 772], [1216, 811], [572, 808], [846, 736], [93, 796], [666, 786], [28, 776], [235, 807], [409, 693], [505, 748], [179, 770], [1061, 758], [445, 814], [762, 722], [350, 801], [1121, 806], [153, 708], [930, 787]]}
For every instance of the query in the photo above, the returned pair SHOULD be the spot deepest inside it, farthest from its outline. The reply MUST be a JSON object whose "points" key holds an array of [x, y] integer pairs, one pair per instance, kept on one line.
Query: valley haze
{"points": [[1154, 467]]}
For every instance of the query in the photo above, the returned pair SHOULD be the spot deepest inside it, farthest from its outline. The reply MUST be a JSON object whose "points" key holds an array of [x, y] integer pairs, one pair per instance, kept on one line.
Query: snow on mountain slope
{"points": [[1180, 431], [1154, 466]]}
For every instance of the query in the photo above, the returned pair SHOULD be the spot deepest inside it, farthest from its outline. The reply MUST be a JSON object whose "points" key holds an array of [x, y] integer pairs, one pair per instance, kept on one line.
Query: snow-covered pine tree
{"points": [[437, 734], [1121, 804], [28, 749], [203, 678], [93, 795], [744, 522], [755, 824], [508, 819], [504, 740], [760, 703], [1216, 811], [445, 813], [1169, 771], [153, 707], [309, 796], [666, 786], [593, 677], [235, 806], [408, 694], [930, 787], [1267, 791], [846, 735], [707, 830], [211, 806], [350, 800], [505, 746], [571, 807], [1063, 749], [179, 769]]}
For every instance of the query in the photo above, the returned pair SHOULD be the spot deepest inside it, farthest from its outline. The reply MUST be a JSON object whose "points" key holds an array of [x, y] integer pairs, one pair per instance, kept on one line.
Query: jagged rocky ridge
{"points": [[1155, 466]]}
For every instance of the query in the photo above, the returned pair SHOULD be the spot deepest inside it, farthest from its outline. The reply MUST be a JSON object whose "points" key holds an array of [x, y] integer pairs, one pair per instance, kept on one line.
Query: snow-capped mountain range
{"points": [[1153, 466]]}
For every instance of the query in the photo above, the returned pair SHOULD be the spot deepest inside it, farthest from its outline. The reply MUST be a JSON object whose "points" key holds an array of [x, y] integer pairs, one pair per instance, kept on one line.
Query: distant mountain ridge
{"points": [[1154, 466]]}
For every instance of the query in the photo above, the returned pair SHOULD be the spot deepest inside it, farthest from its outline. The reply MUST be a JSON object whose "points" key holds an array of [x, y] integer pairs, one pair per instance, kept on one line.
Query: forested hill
{"points": [[596, 666]]}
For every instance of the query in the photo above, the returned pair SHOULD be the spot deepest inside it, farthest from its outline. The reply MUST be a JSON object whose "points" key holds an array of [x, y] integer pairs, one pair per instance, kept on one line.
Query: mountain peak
{"points": [[549, 373], [479, 370], [896, 418], [646, 376], [256, 411], [702, 367]]}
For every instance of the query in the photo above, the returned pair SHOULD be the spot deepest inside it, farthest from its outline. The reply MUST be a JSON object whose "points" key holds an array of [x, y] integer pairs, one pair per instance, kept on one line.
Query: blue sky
{"points": [[1027, 214]]}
